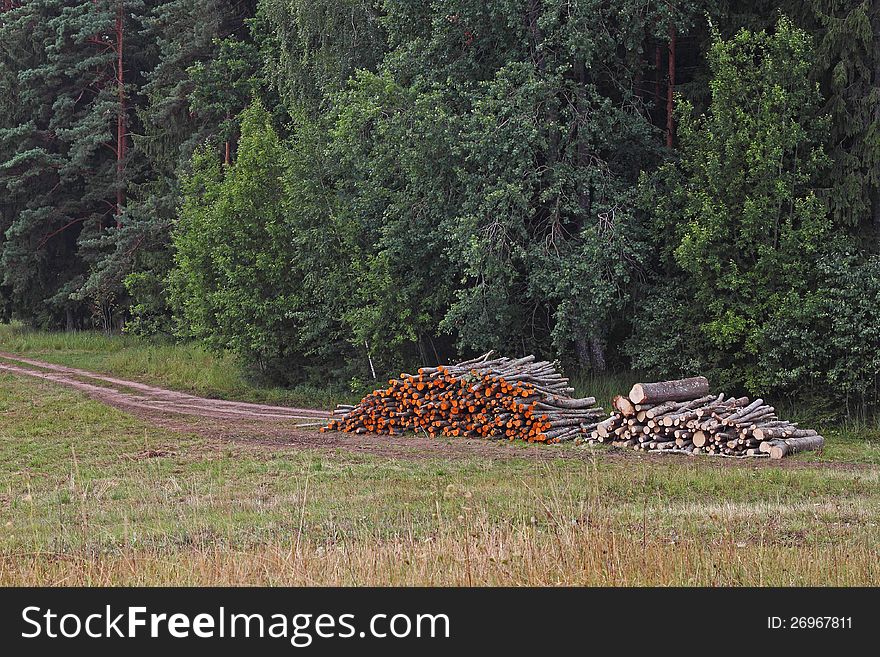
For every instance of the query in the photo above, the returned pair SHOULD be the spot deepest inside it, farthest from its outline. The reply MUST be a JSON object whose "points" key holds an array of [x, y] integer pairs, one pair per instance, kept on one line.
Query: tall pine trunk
{"points": [[875, 28], [670, 91], [120, 120]]}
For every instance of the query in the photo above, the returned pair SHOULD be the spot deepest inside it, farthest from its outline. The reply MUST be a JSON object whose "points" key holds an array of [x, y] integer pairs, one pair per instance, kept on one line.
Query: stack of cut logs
{"points": [[482, 398], [681, 416]]}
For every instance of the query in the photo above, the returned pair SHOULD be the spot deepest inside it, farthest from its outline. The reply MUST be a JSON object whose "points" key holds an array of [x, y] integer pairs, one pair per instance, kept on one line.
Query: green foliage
{"points": [[67, 247], [666, 340], [549, 227], [847, 62], [475, 187], [827, 339], [251, 253], [746, 189], [58, 176], [223, 85], [226, 239], [150, 314], [488, 167], [396, 186], [201, 52], [310, 48], [417, 181]]}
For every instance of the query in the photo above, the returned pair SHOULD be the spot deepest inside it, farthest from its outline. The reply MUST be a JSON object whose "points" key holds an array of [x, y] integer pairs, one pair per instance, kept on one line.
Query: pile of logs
{"points": [[681, 416], [485, 397]]}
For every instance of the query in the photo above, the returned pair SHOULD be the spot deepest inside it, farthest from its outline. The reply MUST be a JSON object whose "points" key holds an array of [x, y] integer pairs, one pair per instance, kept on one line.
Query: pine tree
{"points": [[40, 193], [65, 151], [187, 36], [848, 67]]}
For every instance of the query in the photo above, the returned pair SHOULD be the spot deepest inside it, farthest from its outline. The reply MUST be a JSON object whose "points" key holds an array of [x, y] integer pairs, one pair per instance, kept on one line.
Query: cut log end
{"points": [[624, 405]]}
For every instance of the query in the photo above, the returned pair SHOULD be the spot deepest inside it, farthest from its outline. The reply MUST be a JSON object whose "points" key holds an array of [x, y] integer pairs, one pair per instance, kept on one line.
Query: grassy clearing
{"points": [[190, 368], [90, 495], [187, 367]]}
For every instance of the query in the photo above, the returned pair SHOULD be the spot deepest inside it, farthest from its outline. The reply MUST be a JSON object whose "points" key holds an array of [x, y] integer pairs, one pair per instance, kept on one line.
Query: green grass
{"points": [[187, 367], [90, 495]]}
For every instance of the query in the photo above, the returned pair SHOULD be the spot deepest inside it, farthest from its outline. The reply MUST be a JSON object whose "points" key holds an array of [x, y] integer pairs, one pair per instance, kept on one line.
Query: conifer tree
{"points": [[64, 153], [848, 67], [184, 37]]}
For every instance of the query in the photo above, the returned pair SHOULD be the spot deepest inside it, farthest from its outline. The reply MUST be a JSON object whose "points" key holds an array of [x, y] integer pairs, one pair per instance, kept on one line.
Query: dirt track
{"points": [[277, 426], [132, 395], [271, 426]]}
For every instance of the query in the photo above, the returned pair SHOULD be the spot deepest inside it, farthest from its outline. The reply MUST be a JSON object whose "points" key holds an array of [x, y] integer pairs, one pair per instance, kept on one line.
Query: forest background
{"points": [[328, 187]]}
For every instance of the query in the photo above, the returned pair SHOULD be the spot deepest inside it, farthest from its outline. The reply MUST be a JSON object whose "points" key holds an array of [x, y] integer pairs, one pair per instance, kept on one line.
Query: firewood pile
{"points": [[486, 397], [681, 416]]}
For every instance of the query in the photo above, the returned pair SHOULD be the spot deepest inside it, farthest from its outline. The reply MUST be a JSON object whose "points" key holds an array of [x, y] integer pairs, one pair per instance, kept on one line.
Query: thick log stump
{"points": [[781, 448], [624, 405], [663, 391]]}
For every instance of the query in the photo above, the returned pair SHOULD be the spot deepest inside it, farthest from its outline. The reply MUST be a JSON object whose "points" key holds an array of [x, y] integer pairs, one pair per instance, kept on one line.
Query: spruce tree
{"points": [[848, 67], [65, 152], [185, 37]]}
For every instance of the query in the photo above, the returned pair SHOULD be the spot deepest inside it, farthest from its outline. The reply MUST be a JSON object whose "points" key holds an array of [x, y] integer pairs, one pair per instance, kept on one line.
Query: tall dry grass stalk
{"points": [[588, 545]]}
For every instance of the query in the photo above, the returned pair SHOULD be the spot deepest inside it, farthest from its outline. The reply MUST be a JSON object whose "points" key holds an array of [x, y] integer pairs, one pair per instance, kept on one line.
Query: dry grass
{"points": [[474, 551]]}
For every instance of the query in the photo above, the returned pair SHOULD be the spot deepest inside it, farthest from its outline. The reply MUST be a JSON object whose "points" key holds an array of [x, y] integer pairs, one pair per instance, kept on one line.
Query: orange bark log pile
{"points": [[482, 398]]}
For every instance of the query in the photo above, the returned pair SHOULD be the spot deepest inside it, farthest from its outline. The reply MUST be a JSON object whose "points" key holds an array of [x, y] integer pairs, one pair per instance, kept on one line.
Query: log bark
{"points": [[744, 411], [661, 409], [782, 432], [662, 391], [781, 448], [563, 402], [763, 413]]}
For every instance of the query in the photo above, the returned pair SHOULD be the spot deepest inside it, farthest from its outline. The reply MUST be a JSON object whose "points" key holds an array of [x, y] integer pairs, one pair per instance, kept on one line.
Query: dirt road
{"points": [[262, 424], [150, 399], [284, 427]]}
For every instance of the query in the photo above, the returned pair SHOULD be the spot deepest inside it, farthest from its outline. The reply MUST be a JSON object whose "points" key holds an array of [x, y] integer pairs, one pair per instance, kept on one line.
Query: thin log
{"points": [[762, 433], [745, 411], [661, 409]]}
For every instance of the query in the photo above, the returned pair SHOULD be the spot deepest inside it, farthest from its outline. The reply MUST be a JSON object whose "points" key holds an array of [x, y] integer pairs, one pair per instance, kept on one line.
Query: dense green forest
{"points": [[327, 187]]}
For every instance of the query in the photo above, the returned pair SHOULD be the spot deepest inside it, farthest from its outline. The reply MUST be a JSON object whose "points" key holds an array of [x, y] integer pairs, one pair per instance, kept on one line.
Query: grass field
{"points": [[91, 495], [186, 367]]}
